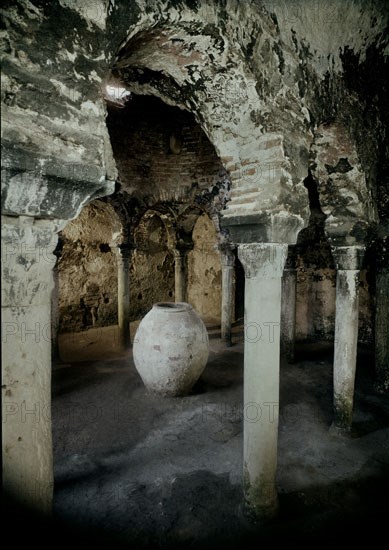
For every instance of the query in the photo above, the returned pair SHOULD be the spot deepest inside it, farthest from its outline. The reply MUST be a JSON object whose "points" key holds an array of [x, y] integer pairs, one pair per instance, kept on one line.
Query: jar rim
{"points": [[174, 307]]}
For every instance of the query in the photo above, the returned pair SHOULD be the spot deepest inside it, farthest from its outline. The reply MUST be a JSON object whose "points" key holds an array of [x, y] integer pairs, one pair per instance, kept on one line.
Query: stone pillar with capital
{"points": [[348, 260], [123, 255], [228, 262], [27, 282], [263, 264]]}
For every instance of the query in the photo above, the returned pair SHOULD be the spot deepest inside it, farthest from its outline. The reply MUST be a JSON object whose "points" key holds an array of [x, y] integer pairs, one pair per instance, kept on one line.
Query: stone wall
{"points": [[88, 276], [256, 76], [152, 268], [87, 270]]}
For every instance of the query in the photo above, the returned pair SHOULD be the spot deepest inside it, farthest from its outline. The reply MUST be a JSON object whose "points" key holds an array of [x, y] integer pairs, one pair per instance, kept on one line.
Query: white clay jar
{"points": [[171, 348]]}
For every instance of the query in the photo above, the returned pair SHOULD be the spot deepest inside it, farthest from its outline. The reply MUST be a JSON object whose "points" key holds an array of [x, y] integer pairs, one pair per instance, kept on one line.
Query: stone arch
{"points": [[49, 145], [147, 233], [198, 72]]}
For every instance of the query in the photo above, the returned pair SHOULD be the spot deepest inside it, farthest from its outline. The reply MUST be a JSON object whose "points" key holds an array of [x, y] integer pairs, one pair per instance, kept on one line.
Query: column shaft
{"points": [[228, 260], [263, 264], [382, 330], [288, 315], [55, 314], [347, 261], [26, 355], [180, 276], [123, 263]]}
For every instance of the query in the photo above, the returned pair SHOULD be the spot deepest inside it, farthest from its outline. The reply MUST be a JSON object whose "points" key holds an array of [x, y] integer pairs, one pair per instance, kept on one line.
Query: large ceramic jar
{"points": [[171, 348]]}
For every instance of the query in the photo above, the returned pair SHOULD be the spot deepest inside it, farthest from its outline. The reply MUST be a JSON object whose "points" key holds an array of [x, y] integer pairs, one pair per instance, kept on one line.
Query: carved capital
{"points": [[348, 257], [28, 260], [227, 256], [124, 251], [263, 260]]}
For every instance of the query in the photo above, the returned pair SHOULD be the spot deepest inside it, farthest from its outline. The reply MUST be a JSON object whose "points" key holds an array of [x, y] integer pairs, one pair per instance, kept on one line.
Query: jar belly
{"points": [[171, 348]]}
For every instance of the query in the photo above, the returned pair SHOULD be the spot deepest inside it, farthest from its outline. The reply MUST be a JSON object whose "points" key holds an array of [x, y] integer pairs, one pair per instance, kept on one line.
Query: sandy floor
{"points": [[137, 470]]}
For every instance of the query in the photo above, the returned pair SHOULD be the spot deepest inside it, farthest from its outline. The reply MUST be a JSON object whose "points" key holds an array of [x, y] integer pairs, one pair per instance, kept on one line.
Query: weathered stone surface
{"points": [[268, 83], [289, 71], [227, 256], [382, 330], [348, 261], [55, 143], [258, 94], [27, 262], [204, 271], [344, 196], [142, 134], [263, 264], [87, 269], [152, 269]]}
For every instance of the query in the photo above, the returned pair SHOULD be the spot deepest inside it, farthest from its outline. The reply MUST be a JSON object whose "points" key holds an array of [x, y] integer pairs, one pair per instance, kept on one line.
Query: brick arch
{"points": [[195, 70]]}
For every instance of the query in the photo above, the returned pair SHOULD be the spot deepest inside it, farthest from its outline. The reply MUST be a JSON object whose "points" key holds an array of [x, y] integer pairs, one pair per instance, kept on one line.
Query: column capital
{"points": [[124, 250], [178, 253], [227, 255], [28, 259], [264, 260], [181, 251], [348, 257]]}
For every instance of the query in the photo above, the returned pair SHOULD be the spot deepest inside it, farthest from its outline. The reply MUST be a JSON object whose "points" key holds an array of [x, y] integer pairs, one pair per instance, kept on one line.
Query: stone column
{"points": [[123, 262], [382, 315], [263, 264], [27, 280], [288, 306], [348, 261], [180, 274], [382, 331], [55, 314], [227, 261]]}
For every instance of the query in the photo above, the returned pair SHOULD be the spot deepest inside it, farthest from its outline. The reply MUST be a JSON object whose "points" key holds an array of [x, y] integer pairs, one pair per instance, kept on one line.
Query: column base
{"points": [[257, 513], [260, 499], [336, 430], [125, 339], [343, 413], [227, 342]]}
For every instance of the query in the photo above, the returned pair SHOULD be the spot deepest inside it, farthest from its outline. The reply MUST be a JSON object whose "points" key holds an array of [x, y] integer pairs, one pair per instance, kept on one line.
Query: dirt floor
{"points": [[135, 470]]}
